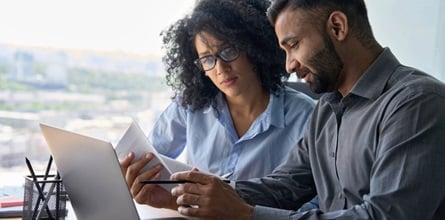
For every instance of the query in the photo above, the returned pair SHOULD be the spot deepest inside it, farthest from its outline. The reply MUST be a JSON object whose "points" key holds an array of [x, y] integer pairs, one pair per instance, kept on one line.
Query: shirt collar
{"points": [[275, 110], [273, 114], [372, 83]]}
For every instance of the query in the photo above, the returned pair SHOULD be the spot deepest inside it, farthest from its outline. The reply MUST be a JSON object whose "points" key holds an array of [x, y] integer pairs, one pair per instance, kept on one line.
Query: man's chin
{"points": [[315, 88]]}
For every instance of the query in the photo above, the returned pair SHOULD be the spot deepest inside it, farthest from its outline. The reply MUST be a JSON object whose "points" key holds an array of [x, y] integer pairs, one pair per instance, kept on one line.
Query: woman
{"points": [[231, 111]]}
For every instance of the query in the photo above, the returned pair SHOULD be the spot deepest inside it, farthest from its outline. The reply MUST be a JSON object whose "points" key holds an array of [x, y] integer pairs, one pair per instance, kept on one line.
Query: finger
{"points": [[149, 174], [192, 176], [141, 162], [134, 169], [191, 199], [191, 188], [193, 212], [126, 162], [153, 173], [140, 192]]}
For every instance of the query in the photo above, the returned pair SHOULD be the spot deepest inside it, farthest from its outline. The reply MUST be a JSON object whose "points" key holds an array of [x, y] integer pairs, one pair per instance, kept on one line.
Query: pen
{"points": [[170, 181], [48, 167], [227, 175], [39, 189]]}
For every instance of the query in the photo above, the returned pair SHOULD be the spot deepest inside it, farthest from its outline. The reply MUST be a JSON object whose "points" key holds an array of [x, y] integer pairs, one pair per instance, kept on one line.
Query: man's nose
{"points": [[292, 64]]}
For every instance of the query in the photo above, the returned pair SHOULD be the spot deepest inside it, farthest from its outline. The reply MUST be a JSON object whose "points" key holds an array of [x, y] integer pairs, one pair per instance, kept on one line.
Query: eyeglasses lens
{"points": [[208, 62]]}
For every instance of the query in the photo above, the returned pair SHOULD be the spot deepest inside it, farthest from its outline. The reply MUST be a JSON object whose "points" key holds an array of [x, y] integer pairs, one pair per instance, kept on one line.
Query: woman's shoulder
{"points": [[292, 95], [304, 88], [294, 102]]}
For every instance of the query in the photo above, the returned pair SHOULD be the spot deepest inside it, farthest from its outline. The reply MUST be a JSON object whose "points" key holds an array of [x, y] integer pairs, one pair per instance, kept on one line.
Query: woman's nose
{"points": [[221, 66]]}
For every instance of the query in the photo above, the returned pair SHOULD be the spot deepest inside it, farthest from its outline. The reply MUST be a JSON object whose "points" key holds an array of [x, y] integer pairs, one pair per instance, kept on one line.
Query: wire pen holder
{"points": [[47, 203], [45, 196]]}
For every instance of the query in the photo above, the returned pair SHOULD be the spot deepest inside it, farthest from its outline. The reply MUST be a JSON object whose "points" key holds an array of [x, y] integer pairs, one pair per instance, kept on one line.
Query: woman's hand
{"points": [[150, 194]]}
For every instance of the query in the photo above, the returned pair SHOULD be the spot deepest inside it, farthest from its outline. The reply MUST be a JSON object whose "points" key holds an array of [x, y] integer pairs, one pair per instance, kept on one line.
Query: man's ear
{"points": [[337, 25]]}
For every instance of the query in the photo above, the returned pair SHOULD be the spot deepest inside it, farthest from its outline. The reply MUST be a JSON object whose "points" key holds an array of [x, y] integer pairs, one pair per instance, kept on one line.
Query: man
{"points": [[374, 147]]}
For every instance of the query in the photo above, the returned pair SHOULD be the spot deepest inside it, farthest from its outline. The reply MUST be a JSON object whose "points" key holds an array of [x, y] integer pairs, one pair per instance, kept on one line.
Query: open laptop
{"points": [[92, 176]]}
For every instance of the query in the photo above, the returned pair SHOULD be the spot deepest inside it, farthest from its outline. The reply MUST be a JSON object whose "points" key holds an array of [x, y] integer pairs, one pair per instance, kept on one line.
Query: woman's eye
{"points": [[228, 52], [208, 60]]}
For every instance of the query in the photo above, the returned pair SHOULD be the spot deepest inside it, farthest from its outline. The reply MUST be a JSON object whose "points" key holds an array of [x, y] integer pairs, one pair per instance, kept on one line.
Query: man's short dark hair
{"points": [[319, 11]]}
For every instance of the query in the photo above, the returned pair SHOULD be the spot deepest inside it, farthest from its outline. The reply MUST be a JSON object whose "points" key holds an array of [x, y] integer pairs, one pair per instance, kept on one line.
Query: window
{"points": [[86, 66], [413, 30]]}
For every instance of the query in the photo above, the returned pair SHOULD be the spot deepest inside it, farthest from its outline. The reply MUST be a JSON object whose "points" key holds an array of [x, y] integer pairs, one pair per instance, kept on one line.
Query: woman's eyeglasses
{"points": [[208, 62]]}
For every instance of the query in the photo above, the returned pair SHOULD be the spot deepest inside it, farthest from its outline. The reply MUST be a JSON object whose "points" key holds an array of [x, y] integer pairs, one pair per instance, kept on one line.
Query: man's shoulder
{"points": [[413, 82]]}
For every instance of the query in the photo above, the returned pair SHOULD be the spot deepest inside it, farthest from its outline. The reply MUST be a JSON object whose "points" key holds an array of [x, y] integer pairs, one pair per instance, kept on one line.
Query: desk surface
{"points": [[148, 212], [145, 212]]}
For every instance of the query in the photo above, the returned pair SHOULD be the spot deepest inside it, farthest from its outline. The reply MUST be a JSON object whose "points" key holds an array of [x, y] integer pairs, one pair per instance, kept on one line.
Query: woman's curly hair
{"points": [[242, 24]]}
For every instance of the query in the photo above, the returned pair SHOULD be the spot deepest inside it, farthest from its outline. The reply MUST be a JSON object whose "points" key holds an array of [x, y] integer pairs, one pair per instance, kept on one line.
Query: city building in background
{"points": [[98, 94]]}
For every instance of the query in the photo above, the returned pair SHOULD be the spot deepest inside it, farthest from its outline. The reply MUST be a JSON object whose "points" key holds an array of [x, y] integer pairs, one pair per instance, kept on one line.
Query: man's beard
{"points": [[328, 66]]}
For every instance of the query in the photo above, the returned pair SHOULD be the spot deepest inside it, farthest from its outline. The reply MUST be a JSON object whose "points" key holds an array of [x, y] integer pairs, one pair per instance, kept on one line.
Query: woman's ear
{"points": [[337, 25]]}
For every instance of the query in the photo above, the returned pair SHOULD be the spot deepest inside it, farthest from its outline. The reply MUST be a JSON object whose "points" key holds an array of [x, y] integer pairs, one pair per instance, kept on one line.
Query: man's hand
{"points": [[208, 197], [149, 194]]}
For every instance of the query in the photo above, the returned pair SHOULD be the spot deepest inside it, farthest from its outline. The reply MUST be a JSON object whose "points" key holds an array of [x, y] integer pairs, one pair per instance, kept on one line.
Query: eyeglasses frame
{"points": [[198, 62]]}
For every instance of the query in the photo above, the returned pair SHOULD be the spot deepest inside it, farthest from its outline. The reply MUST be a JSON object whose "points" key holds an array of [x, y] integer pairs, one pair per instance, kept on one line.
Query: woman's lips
{"points": [[229, 81]]}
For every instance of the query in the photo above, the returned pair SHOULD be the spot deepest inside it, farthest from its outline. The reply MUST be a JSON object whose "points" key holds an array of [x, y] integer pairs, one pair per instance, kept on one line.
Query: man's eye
{"points": [[294, 44]]}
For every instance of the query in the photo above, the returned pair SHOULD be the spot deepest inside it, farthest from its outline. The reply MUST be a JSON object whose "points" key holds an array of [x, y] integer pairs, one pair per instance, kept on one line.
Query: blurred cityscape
{"points": [[93, 93]]}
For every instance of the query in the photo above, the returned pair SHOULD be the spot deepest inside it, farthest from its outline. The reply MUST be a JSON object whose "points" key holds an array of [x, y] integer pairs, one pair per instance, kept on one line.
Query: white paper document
{"points": [[135, 140]]}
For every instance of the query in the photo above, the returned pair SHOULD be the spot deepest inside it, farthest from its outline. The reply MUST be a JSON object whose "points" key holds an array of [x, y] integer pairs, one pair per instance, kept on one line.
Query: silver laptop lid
{"points": [[91, 174]]}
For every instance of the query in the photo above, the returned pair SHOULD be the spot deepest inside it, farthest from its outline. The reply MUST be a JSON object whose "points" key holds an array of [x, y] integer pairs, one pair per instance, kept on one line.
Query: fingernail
{"points": [[129, 154], [148, 156]]}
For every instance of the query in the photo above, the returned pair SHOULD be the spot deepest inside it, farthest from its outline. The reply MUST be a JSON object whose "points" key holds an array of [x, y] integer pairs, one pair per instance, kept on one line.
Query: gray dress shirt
{"points": [[377, 153]]}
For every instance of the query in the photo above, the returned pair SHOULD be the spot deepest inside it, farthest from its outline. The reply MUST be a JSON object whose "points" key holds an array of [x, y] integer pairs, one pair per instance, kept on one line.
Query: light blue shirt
{"points": [[212, 142]]}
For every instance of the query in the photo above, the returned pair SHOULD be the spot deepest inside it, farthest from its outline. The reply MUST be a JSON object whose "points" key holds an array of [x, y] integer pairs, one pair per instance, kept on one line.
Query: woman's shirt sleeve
{"points": [[168, 134]]}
